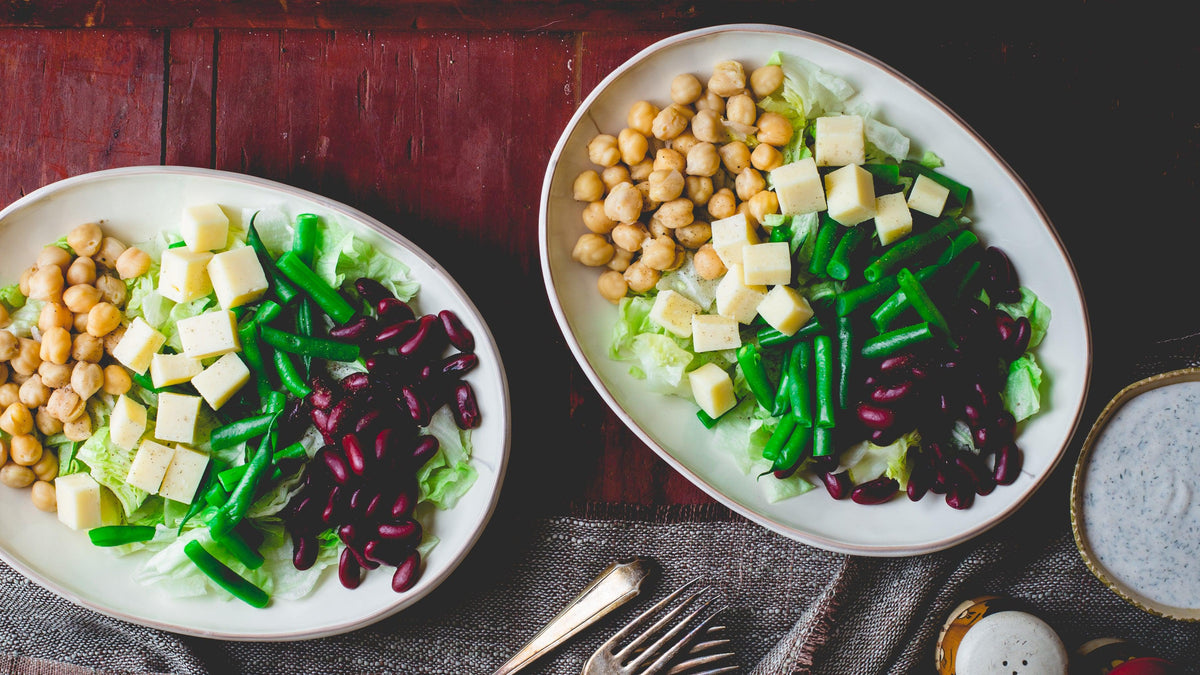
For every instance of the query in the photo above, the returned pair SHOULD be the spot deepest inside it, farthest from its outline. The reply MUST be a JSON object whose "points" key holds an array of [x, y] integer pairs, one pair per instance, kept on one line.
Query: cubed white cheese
{"points": [[205, 227], [798, 187], [184, 275], [176, 418], [712, 332], [674, 312], [893, 220], [785, 310], [220, 381], [927, 196], [138, 345], [713, 389], [730, 235], [767, 264], [736, 299], [209, 334], [850, 192], [149, 466], [127, 423], [168, 369], [79, 501], [840, 141], [184, 474], [237, 277]]}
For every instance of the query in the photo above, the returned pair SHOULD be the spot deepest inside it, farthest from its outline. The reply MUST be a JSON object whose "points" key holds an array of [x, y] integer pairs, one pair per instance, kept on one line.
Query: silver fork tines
{"points": [[632, 658]]}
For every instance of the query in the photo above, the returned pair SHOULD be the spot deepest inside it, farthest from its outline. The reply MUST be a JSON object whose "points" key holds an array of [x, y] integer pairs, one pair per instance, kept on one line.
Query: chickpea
{"points": [[612, 286], [16, 420], [744, 208], [763, 203], [633, 146], [658, 228], [64, 404], [44, 496], [18, 378], [133, 262], [53, 256], [735, 156], [659, 254], [707, 263], [116, 380], [686, 89], [648, 203], [5, 317], [16, 476], [3, 373], [103, 319], [81, 271], [46, 423], [703, 160], [641, 117], [110, 251], [55, 375], [10, 393], [728, 78], [85, 239], [613, 176], [699, 189], [693, 236], [78, 430], [54, 315], [707, 127], [774, 129], [56, 345], [766, 158], [81, 298], [741, 109], [676, 213], [711, 101], [669, 123], [87, 378], [668, 159], [723, 204], [588, 187], [112, 338], [25, 449], [23, 281], [766, 80], [595, 220], [602, 150], [10, 346], [79, 322], [591, 249], [641, 277], [630, 236], [622, 205], [112, 290], [684, 142], [621, 260], [46, 467], [33, 393], [642, 170], [47, 283], [749, 183], [28, 359], [666, 185]]}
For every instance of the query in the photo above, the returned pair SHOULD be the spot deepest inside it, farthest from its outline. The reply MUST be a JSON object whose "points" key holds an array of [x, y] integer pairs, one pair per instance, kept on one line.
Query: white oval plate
{"points": [[1005, 214], [134, 203]]}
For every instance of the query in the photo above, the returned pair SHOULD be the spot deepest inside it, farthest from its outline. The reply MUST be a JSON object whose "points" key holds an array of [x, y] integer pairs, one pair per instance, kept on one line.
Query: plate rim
{"points": [[379, 228], [868, 550]]}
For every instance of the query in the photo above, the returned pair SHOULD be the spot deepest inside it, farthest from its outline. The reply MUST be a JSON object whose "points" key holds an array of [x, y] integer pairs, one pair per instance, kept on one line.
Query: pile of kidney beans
{"points": [[930, 388], [362, 482]]}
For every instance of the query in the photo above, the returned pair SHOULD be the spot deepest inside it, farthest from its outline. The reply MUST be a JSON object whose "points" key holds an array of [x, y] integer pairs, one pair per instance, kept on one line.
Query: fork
{"points": [[635, 659]]}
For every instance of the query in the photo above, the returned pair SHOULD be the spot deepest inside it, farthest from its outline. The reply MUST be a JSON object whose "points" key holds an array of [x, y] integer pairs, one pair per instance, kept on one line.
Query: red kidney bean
{"points": [[940, 482], [371, 290], [385, 444], [837, 484], [407, 573], [459, 364], [358, 500], [1001, 280], [394, 310], [373, 505], [322, 394], [1005, 422], [1021, 340], [336, 463], [368, 421], [393, 334], [982, 437], [360, 331], [1008, 465], [973, 413], [875, 417], [387, 552], [333, 506], [918, 482], [340, 415], [404, 530], [355, 382], [466, 409], [304, 551], [416, 406], [429, 338], [355, 457], [893, 394], [405, 502], [960, 497], [424, 449], [458, 334], [875, 491], [898, 363], [975, 471], [349, 571], [983, 395], [348, 533]]}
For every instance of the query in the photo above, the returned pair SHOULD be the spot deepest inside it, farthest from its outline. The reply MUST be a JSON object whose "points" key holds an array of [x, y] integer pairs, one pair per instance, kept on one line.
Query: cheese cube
{"points": [[205, 227], [176, 419], [237, 276], [712, 332], [730, 235], [713, 389], [840, 141], [183, 276], [674, 312], [736, 299], [127, 423], [220, 381], [893, 220], [785, 310], [79, 501], [209, 334], [184, 474], [798, 187], [138, 345], [767, 264], [851, 194], [149, 466], [928, 196], [168, 369]]}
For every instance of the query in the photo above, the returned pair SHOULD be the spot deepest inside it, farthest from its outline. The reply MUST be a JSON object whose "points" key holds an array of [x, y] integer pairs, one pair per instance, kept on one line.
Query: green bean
{"points": [[781, 232], [304, 241], [886, 344], [305, 325], [783, 390], [828, 235], [242, 495], [267, 312], [779, 438], [329, 350], [967, 285], [845, 360], [237, 547], [823, 362], [908, 248], [772, 337], [240, 431], [253, 353], [822, 441], [961, 243], [852, 300], [275, 402], [284, 289], [897, 302], [178, 244], [216, 494], [801, 369], [291, 378], [327, 298], [294, 451], [926, 309], [889, 174], [843, 256], [797, 442], [225, 577], [749, 357], [119, 535]]}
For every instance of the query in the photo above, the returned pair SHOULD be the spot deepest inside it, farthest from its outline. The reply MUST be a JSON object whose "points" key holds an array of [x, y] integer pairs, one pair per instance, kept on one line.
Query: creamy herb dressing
{"points": [[1140, 510]]}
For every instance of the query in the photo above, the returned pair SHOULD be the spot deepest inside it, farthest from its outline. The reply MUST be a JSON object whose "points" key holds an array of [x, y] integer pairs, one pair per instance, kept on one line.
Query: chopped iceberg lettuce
{"points": [[1032, 308], [1022, 390], [867, 461], [109, 465]]}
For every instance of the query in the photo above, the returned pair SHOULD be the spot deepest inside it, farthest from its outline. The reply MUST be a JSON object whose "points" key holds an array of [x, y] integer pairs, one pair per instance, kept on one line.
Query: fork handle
{"points": [[617, 584]]}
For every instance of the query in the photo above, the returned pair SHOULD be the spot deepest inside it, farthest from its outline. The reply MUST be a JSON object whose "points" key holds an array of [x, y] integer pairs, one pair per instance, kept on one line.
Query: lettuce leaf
{"points": [[867, 461], [1022, 390], [448, 474], [1032, 308], [341, 256], [690, 285], [12, 298], [24, 320], [109, 464]]}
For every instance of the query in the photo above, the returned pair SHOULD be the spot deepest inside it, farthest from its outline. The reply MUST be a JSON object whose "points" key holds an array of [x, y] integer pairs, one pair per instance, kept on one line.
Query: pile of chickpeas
{"points": [[674, 170], [47, 379]]}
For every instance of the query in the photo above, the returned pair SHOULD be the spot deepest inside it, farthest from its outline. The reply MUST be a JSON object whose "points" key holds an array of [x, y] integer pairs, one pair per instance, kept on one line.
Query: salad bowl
{"points": [[1003, 212], [134, 204]]}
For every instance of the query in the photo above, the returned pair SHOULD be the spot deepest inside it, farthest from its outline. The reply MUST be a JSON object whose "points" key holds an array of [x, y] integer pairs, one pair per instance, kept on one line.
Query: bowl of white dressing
{"points": [[1135, 496]]}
